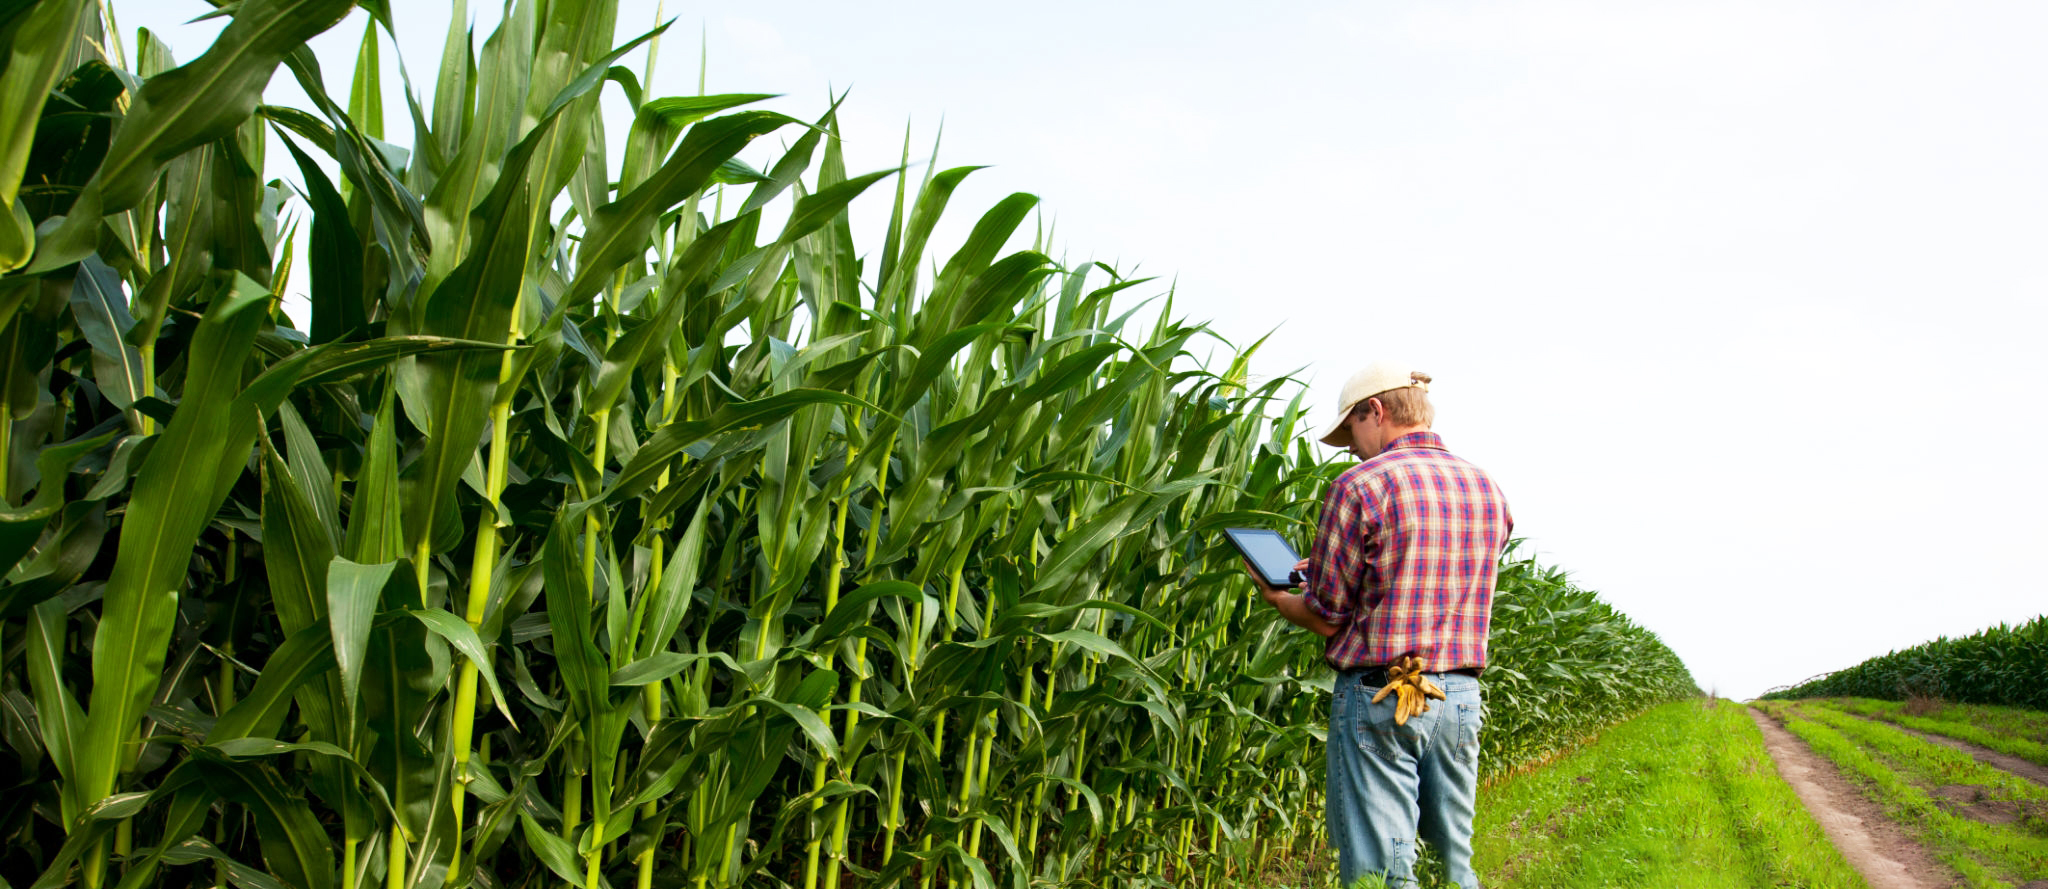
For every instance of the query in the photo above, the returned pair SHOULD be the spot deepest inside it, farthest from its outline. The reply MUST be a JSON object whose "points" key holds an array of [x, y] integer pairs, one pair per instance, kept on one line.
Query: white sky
{"points": [[1739, 301]]}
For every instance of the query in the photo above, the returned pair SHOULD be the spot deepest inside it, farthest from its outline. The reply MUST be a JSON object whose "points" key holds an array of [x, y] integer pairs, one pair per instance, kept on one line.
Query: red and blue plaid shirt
{"points": [[1405, 557]]}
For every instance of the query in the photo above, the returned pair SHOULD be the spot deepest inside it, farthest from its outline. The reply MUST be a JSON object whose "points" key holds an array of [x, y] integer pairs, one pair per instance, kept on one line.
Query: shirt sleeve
{"points": [[1336, 572]]}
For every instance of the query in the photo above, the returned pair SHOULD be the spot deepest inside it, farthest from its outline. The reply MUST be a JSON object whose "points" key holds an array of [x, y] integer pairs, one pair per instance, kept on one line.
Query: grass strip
{"points": [[1987, 857], [2008, 730], [1684, 795], [1929, 763]]}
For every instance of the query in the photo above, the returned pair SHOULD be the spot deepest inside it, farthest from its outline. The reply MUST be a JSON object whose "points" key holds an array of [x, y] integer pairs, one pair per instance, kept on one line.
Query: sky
{"points": [[1739, 302]]}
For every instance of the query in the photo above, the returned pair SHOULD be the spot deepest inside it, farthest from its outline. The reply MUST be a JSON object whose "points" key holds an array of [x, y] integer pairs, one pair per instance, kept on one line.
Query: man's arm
{"points": [[1291, 606]]}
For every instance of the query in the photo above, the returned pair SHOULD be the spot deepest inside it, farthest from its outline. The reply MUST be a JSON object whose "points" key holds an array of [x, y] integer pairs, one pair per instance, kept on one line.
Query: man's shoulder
{"points": [[1395, 465]]}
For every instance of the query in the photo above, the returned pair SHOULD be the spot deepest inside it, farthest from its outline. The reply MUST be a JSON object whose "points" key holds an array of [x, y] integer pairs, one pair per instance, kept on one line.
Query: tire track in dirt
{"points": [[2032, 771], [1883, 852]]}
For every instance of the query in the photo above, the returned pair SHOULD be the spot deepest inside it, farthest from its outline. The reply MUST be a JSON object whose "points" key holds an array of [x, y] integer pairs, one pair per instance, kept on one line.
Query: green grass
{"points": [[1684, 795], [1898, 770], [1927, 763], [2016, 731]]}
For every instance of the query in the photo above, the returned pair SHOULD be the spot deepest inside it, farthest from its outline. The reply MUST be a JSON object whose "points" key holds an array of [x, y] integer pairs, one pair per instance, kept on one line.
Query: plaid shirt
{"points": [[1405, 556]]}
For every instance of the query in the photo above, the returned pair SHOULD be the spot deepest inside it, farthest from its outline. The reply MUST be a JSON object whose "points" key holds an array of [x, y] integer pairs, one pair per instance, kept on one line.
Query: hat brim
{"points": [[1338, 435]]}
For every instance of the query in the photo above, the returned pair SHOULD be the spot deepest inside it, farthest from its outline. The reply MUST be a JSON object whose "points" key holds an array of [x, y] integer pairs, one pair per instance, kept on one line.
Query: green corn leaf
{"points": [[658, 667], [584, 673], [335, 253], [41, 45], [242, 876], [618, 232], [100, 306], [21, 526], [375, 533], [1080, 546], [936, 358], [814, 211], [809, 722], [246, 748], [464, 638], [1091, 641], [670, 440], [450, 397], [453, 82], [640, 345], [17, 239], [189, 804], [553, 851], [569, 63], [303, 655], [89, 835], [681, 111], [57, 711], [365, 90], [175, 495], [295, 847], [299, 546], [197, 103], [309, 469], [491, 106], [670, 601], [853, 607], [353, 592], [924, 218]]}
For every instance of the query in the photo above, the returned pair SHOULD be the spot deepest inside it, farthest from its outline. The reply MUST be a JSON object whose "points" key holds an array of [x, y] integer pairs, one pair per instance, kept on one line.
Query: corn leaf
{"points": [[176, 492], [194, 104]]}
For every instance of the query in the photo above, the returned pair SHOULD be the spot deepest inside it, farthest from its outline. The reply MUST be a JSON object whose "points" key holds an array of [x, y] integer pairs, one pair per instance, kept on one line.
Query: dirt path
{"points": [[1884, 853]]}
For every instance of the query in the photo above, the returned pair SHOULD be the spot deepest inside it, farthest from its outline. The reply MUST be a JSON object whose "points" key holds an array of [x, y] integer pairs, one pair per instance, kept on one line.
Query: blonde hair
{"points": [[1406, 406]]}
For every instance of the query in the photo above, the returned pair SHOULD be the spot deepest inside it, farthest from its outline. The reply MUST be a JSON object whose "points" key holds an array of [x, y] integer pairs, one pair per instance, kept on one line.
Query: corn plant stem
{"points": [[860, 655], [572, 800], [394, 868], [839, 816], [835, 567], [650, 694], [987, 723], [954, 573], [483, 565], [596, 848], [988, 743], [348, 863], [651, 699], [893, 819], [572, 810], [837, 853], [1038, 793], [603, 421], [224, 700]]}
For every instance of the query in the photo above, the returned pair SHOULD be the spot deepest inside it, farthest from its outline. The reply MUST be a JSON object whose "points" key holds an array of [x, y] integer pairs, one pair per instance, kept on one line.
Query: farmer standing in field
{"points": [[1400, 583]]}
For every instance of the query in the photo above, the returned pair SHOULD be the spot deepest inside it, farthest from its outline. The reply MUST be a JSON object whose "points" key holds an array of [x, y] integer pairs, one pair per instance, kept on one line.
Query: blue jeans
{"points": [[1389, 784]]}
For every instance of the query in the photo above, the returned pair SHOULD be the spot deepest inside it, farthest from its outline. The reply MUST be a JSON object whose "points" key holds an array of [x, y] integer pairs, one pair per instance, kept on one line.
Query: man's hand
{"points": [[1291, 605]]}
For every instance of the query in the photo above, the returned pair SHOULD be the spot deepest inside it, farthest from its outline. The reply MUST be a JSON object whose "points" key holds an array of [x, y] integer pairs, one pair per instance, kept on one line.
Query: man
{"points": [[1402, 569]]}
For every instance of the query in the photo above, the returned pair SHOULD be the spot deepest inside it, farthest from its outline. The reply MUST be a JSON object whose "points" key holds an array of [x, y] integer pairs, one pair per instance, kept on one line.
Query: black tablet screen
{"points": [[1268, 552]]}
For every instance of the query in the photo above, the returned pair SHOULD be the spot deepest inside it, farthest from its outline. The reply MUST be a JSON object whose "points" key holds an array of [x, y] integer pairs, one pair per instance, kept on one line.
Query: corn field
{"points": [[604, 523], [1563, 665], [2003, 665]]}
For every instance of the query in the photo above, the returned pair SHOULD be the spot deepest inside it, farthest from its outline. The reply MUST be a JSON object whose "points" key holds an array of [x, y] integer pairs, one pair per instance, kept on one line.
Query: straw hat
{"points": [[1377, 377]]}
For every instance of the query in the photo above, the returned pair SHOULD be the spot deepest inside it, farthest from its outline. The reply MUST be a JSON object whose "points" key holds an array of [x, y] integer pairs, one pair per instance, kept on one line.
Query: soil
{"points": [[1883, 852], [1971, 802]]}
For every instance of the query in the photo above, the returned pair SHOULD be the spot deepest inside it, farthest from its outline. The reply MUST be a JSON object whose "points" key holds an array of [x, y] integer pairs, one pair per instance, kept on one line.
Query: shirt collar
{"points": [[1423, 439]]}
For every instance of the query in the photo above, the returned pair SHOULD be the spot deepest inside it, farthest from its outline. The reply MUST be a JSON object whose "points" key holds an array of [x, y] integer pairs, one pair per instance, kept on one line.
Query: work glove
{"points": [[1410, 688]]}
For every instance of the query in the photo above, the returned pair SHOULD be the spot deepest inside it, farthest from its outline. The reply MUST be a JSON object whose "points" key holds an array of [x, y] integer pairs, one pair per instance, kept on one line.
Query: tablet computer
{"points": [[1268, 554]]}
